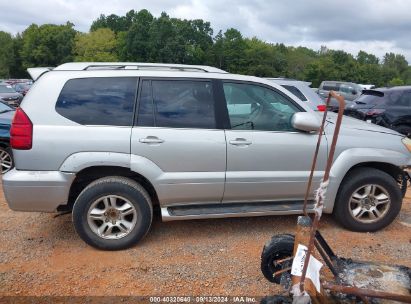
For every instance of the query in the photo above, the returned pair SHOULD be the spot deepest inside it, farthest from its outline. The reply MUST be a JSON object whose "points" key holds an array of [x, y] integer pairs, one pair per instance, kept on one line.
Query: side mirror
{"points": [[306, 121], [354, 92]]}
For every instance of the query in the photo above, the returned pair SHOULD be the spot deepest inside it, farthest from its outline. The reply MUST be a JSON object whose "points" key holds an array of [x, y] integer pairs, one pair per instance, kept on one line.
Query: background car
{"points": [[387, 107], [22, 88], [6, 156], [10, 96], [349, 90], [303, 91]]}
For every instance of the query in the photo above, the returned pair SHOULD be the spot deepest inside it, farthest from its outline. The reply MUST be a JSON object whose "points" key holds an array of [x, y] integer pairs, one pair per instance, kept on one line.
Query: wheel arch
{"points": [[387, 161], [89, 174]]}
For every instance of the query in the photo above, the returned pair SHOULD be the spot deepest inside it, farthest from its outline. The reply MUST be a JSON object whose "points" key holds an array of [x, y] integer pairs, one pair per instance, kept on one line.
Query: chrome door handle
{"points": [[240, 142], [151, 140]]}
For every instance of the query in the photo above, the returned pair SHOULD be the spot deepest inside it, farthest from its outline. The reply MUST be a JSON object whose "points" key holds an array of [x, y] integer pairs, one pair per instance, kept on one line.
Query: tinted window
{"points": [[98, 101], [404, 100], [295, 91], [145, 111], [183, 104], [331, 86], [252, 107], [371, 99]]}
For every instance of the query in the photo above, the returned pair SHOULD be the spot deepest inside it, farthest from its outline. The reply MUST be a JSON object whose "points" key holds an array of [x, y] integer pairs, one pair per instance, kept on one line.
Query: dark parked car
{"points": [[387, 107], [6, 116], [9, 95], [22, 88]]}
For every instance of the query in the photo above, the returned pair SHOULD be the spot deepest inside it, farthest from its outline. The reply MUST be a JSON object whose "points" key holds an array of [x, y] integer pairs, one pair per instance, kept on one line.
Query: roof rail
{"points": [[83, 66]]}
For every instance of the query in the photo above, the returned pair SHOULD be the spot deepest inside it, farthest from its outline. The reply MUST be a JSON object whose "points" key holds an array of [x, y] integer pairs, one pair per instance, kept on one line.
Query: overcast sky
{"points": [[376, 26]]}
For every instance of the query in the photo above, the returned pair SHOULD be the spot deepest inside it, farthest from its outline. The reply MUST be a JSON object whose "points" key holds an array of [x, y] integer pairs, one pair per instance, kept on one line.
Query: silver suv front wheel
{"points": [[368, 200], [369, 203]]}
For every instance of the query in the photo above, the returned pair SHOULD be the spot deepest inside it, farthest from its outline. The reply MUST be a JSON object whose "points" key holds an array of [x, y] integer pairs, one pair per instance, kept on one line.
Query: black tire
{"points": [[11, 159], [403, 129], [402, 181], [279, 247], [354, 180], [120, 186]]}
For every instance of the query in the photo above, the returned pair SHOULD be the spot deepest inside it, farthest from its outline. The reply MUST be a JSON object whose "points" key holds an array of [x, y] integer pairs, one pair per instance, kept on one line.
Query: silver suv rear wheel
{"points": [[112, 217], [112, 213]]}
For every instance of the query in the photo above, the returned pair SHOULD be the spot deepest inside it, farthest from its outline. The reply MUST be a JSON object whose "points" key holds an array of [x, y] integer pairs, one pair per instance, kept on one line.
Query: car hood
{"points": [[7, 95], [349, 123]]}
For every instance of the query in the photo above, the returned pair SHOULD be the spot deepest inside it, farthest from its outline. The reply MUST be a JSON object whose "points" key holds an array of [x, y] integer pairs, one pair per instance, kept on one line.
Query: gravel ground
{"points": [[41, 255]]}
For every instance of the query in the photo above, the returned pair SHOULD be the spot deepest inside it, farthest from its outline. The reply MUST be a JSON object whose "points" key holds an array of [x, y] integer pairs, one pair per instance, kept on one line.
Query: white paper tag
{"points": [[314, 266]]}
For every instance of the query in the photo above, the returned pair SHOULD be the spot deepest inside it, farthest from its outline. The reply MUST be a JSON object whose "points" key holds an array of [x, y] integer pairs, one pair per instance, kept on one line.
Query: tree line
{"points": [[141, 37]]}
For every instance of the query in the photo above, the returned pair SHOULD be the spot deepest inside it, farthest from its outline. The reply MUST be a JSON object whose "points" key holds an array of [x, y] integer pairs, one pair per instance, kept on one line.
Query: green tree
{"points": [[17, 70], [366, 58], [262, 59], [47, 45], [99, 45], [234, 48], [395, 82], [137, 43], [114, 22], [6, 54]]}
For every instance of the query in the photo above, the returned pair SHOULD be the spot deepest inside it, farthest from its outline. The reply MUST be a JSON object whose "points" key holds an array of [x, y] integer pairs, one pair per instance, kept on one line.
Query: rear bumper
{"points": [[36, 190]]}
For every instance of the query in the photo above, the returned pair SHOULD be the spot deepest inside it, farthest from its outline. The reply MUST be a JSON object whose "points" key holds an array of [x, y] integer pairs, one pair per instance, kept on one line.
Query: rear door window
{"points": [[98, 101], [177, 104]]}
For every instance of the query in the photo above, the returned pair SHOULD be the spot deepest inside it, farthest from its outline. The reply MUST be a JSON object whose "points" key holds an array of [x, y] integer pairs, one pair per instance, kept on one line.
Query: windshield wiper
{"points": [[244, 123]]}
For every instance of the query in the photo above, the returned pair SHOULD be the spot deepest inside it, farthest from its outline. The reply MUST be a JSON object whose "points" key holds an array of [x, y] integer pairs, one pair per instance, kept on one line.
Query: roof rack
{"points": [[86, 66]]}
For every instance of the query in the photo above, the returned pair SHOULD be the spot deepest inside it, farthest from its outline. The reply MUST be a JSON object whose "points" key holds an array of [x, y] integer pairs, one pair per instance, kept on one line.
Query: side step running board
{"points": [[188, 212]]}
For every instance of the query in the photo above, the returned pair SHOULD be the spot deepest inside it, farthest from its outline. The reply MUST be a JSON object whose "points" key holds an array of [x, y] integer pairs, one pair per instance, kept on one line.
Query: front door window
{"points": [[252, 107]]}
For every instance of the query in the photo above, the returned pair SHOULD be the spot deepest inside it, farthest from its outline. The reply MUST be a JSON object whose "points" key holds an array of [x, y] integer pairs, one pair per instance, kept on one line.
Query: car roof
{"points": [[127, 69], [285, 81], [389, 89]]}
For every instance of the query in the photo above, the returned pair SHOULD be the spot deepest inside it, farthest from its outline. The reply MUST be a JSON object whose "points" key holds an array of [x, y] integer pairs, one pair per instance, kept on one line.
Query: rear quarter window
{"points": [[98, 101], [295, 92]]}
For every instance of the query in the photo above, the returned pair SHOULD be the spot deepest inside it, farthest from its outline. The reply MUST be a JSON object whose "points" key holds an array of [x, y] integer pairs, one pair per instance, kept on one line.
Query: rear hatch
{"points": [[363, 105]]}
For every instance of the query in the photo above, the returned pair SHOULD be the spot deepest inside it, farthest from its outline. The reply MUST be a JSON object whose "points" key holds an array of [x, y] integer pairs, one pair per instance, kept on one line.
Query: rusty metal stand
{"points": [[343, 270]]}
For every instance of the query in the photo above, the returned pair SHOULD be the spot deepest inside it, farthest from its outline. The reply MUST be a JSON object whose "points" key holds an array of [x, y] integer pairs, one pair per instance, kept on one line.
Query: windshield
{"points": [[22, 86], [371, 99], [6, 89], [4, 107]]}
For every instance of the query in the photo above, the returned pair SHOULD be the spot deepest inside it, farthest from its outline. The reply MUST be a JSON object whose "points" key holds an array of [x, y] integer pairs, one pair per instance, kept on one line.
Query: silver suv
{"points": [[110, 141]]}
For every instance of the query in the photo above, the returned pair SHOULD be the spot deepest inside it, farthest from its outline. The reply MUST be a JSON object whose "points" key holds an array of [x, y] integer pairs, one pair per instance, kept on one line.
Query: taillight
{"points": [[21, 131], [373, 112], [322, 108]]}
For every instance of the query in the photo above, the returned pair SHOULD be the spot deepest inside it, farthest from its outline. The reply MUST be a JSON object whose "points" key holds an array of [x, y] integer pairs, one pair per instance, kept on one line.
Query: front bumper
{"points": [[36, 190]]}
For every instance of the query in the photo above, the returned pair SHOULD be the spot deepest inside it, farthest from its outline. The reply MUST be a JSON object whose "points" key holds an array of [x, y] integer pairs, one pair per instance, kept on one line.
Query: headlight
{"points": [[407, 142]]}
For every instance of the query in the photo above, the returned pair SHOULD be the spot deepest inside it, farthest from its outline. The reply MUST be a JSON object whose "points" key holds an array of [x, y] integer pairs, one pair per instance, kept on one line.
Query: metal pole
{"points": [[319, 204]]}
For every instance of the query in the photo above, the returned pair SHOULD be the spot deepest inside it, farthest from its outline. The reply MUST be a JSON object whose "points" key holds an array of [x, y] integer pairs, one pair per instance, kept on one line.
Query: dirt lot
{"points": [[41, 255]]}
